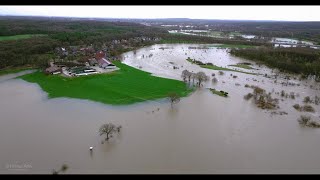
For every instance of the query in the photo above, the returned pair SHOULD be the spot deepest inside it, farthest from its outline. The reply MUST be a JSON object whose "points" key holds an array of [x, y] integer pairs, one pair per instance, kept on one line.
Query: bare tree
{"points": [[201, 76], [189, 74], [63, 168], [174, 98], [193, 76], [107, 129], [184, 74]]}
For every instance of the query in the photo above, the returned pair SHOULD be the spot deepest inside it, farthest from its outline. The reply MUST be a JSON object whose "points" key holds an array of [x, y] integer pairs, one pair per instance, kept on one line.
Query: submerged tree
{"points": [[63, 168], [108, 129], [201, 76], [174, 98], [184, 75]]}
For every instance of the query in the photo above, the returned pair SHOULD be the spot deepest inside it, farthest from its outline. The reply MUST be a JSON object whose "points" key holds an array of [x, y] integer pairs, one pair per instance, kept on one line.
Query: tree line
{"points": [[297, 60]]}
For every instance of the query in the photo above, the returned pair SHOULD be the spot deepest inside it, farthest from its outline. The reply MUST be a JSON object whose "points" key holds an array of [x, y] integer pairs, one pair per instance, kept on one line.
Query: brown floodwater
{"points": [[203, 133]]}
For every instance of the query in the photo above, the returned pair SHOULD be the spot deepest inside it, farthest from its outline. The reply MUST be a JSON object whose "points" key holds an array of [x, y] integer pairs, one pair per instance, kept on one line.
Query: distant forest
{"points": [[286, 29], [51, 33], [304, 61]]}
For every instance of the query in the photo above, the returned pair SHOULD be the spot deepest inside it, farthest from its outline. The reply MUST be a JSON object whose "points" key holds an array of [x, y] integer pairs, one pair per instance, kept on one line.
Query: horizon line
{"points": [[83, 17]]}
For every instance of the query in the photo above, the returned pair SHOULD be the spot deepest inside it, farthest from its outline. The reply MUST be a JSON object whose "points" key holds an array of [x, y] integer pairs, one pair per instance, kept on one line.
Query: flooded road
{"points": [[203, 133]]}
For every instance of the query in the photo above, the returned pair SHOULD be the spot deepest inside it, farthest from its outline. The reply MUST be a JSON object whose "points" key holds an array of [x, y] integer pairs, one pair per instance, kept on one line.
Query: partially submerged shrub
{"points": [[317, 100], [307, 99], [221, 73], [292, 96], [306, 121], [257, 90], [248, 96], [262, 99], [214, 80], [308, 108], [234, 76], [297, 107], [247, 85]]}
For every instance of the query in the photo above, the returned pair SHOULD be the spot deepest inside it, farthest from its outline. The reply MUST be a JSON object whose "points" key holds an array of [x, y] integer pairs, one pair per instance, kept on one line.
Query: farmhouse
{"points": [[93, 62], [105, 64], [102, 62]]}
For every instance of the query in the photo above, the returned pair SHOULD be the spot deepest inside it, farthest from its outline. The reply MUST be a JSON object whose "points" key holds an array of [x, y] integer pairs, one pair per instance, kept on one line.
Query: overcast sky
{"points": [[287, 13]]}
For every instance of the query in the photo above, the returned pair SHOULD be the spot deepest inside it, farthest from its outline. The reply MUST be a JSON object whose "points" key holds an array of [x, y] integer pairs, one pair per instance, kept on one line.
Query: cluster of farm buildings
{"points": [[97, 64]]}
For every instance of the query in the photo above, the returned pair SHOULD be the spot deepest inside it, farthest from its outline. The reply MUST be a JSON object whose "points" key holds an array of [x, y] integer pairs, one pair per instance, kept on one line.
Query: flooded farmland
{"points": [[203, 133]]}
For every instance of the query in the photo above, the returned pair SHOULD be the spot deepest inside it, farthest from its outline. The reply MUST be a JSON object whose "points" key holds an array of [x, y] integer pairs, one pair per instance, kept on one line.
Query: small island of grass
{"points": [[242, 65], [219, 93], [125, 86], [214, 67]]}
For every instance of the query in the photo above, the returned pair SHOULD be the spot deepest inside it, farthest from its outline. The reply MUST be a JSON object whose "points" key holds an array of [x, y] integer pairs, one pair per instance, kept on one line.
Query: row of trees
{"points": [[35, 51], [297, 60], [187, 76]]}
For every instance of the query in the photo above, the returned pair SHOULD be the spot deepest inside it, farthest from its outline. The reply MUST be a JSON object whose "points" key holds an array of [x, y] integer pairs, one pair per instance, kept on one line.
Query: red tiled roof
{"points": [[100, 55]]}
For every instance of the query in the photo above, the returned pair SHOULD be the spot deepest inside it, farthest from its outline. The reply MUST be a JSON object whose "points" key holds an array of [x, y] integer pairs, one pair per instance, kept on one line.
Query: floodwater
{"points": [[203, 133]]}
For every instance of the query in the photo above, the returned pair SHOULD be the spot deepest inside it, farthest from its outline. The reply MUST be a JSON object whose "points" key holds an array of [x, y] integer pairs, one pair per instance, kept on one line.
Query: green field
{"points": [[232, 46], [17, 37], [125, 86], [13, 70], [244, 66]]}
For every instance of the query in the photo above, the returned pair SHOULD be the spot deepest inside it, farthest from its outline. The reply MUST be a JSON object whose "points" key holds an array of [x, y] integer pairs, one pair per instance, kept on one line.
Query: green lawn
{"points": [[125, 86], [244, 66], [13, 70], [232, 46], [17, 37]]}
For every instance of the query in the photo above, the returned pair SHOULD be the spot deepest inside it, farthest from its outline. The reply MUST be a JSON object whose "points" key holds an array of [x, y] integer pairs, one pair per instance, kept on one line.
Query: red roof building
{"points": [[100, 55]]}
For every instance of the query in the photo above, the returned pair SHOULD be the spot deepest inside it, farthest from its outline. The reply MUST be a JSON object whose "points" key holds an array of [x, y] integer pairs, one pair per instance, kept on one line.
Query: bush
{"points": [[257, 90], [307, 99], [297, 107], [221, 73], [247, 85], [308, 122], [304, 120], [234, 76], [292, 96], [214, 80], [316, 100], [248, 96], [308, 108]]}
